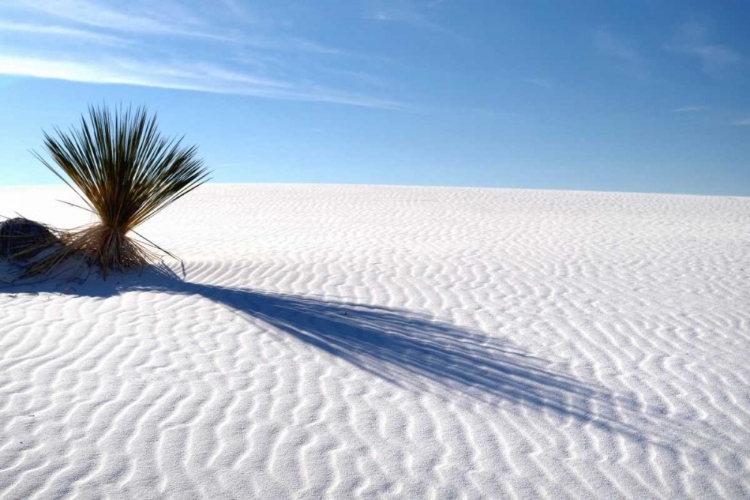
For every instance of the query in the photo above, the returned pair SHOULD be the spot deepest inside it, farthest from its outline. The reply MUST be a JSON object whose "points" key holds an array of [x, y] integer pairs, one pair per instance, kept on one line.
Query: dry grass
{"points": [[125, 172]]}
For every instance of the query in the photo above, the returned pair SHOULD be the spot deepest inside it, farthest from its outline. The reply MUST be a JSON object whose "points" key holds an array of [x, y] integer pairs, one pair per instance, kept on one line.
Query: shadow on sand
{"points": [[405, 348]]}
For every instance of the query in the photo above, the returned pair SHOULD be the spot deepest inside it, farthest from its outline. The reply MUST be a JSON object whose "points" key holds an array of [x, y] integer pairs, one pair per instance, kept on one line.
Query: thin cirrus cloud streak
{"points": [[625, 57], [139, 47], [195, 77], [544, 83], [742, 122], [148, 22], [59, 31], [415, 13], [139, 19], [691, 109], [714, 59], [693, 39]]}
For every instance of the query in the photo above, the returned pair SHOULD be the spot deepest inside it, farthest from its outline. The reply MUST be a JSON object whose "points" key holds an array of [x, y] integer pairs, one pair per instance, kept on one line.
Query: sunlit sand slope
{"points": [[387, 342]]}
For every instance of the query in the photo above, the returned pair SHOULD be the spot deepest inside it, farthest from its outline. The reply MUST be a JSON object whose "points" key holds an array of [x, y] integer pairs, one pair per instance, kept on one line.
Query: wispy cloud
{"points": [[59, 31], [167, 44], [624, 55], [408, 11], [238, 10], [166, 18], [195, 76], [691, 109], [741, 122], [544, 83], [138, 18], [714, 59], [693, 40], [419, 14]]}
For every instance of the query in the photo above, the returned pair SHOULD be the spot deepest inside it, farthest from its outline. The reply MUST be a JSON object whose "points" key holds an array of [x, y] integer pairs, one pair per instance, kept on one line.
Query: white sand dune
{"points": [[389, 342]]}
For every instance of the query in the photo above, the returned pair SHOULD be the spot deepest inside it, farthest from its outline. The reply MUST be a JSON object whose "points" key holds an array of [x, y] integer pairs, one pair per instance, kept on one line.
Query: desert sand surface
{"points": [[389, 342]]}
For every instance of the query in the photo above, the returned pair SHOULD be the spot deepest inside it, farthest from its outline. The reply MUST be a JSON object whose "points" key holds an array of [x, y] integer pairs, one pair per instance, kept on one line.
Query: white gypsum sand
{"points": [[390, 342]]}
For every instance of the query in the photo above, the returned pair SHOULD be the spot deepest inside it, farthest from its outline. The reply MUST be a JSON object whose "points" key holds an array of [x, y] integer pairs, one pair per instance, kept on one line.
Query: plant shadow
{"points": [[405, 348]]}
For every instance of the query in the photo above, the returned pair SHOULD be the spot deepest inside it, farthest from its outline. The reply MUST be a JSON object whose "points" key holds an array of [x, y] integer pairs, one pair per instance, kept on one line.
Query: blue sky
{"points": [[637, 95]]}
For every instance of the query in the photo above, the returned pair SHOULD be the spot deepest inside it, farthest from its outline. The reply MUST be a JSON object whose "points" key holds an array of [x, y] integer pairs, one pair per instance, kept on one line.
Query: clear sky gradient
{"points": [[631, 95]]}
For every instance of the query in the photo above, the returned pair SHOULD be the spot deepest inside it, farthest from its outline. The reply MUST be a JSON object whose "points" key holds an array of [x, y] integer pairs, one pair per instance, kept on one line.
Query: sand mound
{"points": [[22, 239]]}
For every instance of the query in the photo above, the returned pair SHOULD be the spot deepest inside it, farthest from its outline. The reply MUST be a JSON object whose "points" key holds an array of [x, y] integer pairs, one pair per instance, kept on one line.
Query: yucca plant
{"points": [[126, 172]]}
